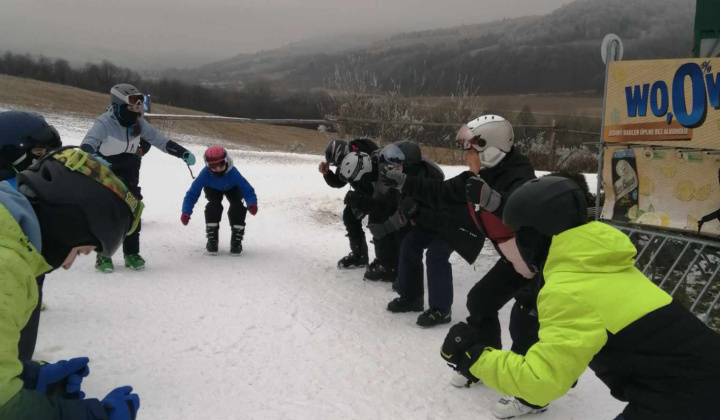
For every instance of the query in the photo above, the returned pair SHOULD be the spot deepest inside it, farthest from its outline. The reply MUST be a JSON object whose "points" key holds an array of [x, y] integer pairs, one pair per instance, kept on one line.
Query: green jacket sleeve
{"points": [[571, 334], [18, 297], [33, 405]]}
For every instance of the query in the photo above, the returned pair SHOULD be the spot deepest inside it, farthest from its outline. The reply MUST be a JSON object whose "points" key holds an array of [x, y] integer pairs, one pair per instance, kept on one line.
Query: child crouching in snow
{"points": [[219, 178]]}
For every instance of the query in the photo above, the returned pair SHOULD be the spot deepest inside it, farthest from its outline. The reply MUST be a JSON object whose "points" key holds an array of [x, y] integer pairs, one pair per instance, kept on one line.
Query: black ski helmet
{"points": [[550, 205], [20, 132], [335, 151], [411, 150], [69, 179]]}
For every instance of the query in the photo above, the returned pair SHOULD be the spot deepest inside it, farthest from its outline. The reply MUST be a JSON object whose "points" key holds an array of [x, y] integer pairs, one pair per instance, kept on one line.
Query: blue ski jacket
{"points": [[230, 179]]}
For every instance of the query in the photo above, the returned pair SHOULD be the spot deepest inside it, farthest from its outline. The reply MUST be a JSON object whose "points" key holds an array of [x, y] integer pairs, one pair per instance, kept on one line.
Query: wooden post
{"points": [[341, 121], [552, 146]]}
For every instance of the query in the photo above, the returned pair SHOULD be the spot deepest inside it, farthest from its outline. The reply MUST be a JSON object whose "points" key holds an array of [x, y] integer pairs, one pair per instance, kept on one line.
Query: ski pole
{"points": [[190, 169]]}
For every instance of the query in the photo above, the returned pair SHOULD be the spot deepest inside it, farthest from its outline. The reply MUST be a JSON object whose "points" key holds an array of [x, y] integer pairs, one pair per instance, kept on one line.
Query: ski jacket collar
{"points": [[591, 248], [20, 209]]}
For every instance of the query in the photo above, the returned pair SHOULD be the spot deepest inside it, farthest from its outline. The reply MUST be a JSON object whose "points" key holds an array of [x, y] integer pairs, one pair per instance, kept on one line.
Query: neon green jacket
{"points": [[20, 263], [591, 287]]}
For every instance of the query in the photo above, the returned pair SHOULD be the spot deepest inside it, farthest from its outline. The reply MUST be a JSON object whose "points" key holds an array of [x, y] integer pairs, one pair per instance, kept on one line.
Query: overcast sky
{"points": [[166, 33]]}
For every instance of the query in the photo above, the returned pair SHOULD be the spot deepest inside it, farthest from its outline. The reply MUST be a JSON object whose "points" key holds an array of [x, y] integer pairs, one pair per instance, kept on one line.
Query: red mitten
{"points": [[252, 208], [185, 219]]}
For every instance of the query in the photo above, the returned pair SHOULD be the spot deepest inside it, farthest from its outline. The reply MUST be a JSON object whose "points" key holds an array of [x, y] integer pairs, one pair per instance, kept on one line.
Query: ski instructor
{"points": [[115, 139]]}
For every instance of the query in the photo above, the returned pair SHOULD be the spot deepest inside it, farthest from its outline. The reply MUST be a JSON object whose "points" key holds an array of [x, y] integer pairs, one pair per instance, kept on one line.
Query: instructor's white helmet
{"points": [[354, 166], [491, 135]]}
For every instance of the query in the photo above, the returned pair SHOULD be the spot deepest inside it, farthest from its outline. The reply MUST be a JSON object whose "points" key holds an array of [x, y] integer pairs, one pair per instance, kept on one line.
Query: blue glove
{"points": [[68, 374], [188, 158], [120, 404]]}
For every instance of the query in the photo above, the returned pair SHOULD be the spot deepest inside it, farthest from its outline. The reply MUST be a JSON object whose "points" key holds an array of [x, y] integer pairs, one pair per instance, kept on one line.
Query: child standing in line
{"points": [[220, 178]]}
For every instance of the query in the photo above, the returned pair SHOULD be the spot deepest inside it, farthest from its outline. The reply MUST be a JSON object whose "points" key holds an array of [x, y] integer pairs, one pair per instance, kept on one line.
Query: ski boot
{"points": [[212, 231], [238, 233], [353, 260], [510, 407], [460, 381], [104, 264], [134, 262], [401, 304], [376, 271], [433, 317], [358, 256]]}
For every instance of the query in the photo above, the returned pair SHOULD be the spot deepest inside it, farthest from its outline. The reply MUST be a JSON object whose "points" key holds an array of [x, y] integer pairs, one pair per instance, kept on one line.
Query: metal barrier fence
{"points": [[685, 266]]}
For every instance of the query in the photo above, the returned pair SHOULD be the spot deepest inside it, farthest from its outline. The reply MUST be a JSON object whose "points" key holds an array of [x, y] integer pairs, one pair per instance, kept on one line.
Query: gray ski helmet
{"points": [[550, 205], [51, 183], [124, 94], [354, 166], [336, 151], [411, 150]]}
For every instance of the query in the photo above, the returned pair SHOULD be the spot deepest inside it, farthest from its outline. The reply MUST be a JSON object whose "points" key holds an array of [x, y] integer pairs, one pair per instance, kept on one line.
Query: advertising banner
{"points": [[664, 103], [662, 129]]}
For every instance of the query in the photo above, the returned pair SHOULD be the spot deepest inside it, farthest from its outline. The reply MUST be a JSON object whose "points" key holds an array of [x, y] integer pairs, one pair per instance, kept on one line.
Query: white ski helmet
{"points": [[491, 135], [354, 166]]}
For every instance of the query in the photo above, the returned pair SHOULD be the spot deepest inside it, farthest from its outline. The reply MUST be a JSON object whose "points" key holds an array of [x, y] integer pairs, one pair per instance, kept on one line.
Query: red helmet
{"points": [[215, 154]]}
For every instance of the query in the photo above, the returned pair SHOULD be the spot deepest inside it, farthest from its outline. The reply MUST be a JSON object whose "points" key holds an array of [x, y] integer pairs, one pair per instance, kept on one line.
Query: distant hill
{"points": [[554, 53]]}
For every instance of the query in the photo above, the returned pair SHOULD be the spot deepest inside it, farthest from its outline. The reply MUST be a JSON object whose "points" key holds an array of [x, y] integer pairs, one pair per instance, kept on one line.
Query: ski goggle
{"points": [[48, 138], [78, 160], [217, 165], [392, 154], [467, 140], [135, 103]]}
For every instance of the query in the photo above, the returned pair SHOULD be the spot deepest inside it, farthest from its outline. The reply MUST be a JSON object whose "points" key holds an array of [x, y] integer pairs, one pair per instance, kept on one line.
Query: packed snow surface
{"points": [[276, 333]]}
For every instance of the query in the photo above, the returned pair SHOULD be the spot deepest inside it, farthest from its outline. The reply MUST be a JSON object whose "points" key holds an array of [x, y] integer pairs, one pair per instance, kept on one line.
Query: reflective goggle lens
{"points": [[392, 154]]}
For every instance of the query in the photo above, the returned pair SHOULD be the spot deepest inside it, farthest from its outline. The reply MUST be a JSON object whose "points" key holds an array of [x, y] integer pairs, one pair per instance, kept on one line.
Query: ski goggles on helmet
{"points": [[218, 164], [391, 154], [467, 140], [48, 138], [78, 160]]}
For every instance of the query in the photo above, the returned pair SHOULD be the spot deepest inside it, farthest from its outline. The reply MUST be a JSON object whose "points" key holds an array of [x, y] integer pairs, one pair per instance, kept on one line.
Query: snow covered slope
{"points": [[277, 333]]}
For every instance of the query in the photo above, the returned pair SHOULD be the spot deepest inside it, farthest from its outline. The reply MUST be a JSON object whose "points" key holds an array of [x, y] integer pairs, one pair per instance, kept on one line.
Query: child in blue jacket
{"points": [[219, 178]]}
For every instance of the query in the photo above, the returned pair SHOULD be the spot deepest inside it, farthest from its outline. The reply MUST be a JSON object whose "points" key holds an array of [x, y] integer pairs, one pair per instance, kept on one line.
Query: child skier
{"points": [[65, 205], [352, 217], [595, 310], [220, 178], [24, 138]]}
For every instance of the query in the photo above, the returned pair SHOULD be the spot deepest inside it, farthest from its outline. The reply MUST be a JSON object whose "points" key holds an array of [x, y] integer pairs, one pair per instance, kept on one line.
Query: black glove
{"points": [[478, 192], [460, 338], [409, 207], [461, 348], [468, 359]]}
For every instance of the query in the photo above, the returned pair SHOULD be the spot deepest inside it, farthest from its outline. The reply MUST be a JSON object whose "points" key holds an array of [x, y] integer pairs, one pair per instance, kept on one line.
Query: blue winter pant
{"points": [[439, 270]]}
